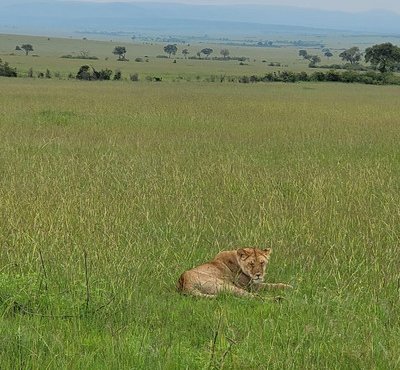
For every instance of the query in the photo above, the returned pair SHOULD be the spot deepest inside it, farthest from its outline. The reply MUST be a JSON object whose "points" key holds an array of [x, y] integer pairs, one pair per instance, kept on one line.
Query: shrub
{"points": [[318, 76], [117, 75], [139, 60], [134, 77], [332, 76], [84, 73], [6, 70]]}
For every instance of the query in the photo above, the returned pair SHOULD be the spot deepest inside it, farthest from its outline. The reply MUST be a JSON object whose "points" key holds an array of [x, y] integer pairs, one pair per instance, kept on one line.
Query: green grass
{"points": [[151, 180], [49, 52]]}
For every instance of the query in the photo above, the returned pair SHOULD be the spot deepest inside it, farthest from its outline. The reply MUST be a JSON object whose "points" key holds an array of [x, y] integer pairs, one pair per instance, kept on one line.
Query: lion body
{"points": [[238, 272]]}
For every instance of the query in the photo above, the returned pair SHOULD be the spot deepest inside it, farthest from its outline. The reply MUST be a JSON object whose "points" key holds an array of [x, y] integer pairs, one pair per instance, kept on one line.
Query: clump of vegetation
{"points": [[117, 75], [26, 47], [83, 54], [352, 55], [371, 78], [313, 59], [121, 52], [170, 49], [384, 57], [88, 73], [6, 70], [134, 77]]}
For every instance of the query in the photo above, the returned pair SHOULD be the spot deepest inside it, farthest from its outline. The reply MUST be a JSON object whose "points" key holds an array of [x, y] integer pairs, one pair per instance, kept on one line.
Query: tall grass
{"points": [[147, 181]]}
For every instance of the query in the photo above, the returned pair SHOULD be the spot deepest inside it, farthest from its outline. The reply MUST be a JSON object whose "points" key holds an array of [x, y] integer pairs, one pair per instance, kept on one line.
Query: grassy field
{"points": [[149, 180], [50, 50]]}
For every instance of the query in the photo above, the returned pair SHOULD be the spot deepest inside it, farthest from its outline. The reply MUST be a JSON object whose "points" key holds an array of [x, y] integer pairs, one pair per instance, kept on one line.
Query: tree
{"points": [[352, 55], [207, 52], [120, 51], [303, 53], [185, 52], [27, 48], [328, 54], [383, 57], [83, 73], [18, 48], [170, 49], [314, 59], [225, 53]]}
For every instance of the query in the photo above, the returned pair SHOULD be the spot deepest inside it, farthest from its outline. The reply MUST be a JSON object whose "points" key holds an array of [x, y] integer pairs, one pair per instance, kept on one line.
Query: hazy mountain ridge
{"points": [[192, 19]]}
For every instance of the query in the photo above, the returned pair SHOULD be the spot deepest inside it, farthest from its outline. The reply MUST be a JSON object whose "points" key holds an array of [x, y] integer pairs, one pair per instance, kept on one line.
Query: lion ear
{"points": [[242, 253], [267, 251]]}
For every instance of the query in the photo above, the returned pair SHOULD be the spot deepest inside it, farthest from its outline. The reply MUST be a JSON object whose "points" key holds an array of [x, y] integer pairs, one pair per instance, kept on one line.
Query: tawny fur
{"points": [[239, 272]]}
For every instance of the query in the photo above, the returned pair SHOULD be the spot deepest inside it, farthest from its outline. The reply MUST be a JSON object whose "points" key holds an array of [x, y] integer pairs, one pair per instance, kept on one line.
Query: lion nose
{"points": [[258, 274]]}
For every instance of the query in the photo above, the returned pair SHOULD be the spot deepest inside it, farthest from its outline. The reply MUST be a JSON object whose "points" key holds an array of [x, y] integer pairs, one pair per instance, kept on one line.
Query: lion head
{"points": [[253, 262]]}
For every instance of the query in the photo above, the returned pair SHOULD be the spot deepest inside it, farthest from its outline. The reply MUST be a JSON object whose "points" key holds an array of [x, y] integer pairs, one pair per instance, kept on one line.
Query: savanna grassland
{"points": [[48, 51], [109, 190]]}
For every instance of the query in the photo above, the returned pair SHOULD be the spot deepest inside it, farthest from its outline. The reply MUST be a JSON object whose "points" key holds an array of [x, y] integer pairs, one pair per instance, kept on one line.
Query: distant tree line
{"points": [[382, 57], [370, 78]]}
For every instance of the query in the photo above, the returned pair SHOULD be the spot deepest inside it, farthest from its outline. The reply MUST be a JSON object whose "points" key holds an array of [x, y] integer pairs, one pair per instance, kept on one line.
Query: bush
{"points": [[332, 76], [6, 70], [318, 76], [117, 75], [134, 77], [139, 60], [48, 73], [69, 56], [244, 79], [85, 74]]}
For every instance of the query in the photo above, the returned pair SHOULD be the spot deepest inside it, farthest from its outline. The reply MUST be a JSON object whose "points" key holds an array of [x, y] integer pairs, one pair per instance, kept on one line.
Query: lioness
{"points": [[238, 272]]}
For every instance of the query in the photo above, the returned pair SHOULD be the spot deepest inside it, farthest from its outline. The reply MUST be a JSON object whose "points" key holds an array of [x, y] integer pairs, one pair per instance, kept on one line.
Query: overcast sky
{"points": [[344, 5]]}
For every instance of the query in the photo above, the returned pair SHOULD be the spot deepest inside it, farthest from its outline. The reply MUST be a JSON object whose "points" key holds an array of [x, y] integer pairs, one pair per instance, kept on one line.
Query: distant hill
{"points": [[66, 16]]}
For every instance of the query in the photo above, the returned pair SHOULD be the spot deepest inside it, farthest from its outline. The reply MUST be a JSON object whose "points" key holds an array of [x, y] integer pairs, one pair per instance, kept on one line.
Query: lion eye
{"points": [[252, 264]]}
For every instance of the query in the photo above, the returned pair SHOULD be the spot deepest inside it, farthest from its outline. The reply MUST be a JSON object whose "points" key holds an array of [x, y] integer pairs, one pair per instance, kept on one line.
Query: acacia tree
{"points": [[303, 53], [383, 57], [352, 55], [225, 53], [27, 48], [120, 51], [207, 52], [170, 49], [328, 54], [314, 59], [185, 52]]}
